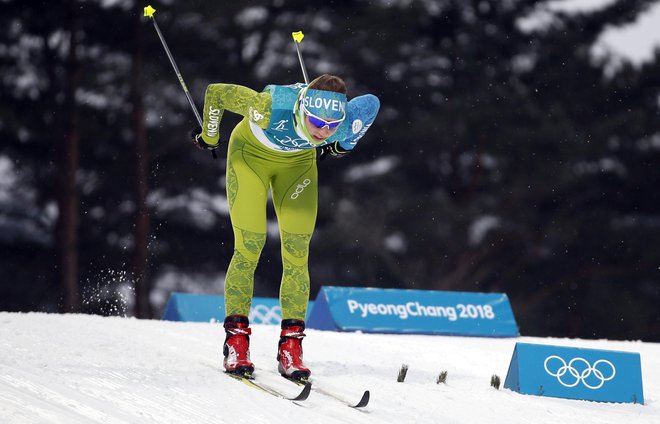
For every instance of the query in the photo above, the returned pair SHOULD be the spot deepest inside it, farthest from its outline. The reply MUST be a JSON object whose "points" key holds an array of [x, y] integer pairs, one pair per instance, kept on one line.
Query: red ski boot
{"points": [[237, 346], [289, 354]]}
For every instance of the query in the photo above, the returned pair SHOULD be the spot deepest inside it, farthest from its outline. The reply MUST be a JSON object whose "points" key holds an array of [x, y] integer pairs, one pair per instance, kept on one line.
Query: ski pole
{"points": [[149, 12], [297, 38]]}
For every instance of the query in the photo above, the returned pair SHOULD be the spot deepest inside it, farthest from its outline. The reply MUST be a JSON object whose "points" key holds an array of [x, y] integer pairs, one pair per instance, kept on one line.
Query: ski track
{"points": [[90, 369]]}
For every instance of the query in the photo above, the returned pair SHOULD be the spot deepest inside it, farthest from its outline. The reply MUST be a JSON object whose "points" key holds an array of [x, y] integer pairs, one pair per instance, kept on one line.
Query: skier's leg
{"points": [[295, 196], [247, 192]]}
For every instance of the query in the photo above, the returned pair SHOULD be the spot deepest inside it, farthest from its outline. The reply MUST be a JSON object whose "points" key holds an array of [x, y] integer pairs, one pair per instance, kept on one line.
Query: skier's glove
{"points": [[334, 150], [198, 141]]}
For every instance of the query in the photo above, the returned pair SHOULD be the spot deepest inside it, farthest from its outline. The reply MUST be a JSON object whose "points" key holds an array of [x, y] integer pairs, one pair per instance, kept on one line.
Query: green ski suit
{"points": [[253, 169], [275, 156]]}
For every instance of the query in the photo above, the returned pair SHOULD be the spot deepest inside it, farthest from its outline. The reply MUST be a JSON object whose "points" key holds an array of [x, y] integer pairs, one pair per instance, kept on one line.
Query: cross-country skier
{"points": [[273, 147]]}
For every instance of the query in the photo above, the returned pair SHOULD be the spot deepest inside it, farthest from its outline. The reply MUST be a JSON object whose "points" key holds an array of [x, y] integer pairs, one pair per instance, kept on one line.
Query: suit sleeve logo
{"points": [[214, 121], [356, 126], [255, 115]]}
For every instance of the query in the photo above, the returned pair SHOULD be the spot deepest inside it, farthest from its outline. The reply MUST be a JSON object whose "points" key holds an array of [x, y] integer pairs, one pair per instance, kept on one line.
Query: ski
{"points": [[364, 400], [249, 381]]}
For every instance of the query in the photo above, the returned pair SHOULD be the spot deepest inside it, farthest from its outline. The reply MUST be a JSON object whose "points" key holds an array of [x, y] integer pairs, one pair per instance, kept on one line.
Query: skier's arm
{"points": [[361, 113], [234, 98]]}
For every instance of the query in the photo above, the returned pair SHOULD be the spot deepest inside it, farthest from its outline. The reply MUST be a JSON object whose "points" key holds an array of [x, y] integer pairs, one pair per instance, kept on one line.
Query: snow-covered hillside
{"points": [[91, 369]]}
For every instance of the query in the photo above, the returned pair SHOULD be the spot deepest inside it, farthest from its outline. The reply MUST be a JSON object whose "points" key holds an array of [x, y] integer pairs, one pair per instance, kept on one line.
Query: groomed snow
{"points": [[92, 369]]}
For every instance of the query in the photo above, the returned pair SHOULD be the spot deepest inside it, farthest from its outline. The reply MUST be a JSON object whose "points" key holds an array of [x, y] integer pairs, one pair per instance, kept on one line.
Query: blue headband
{"points": [[325, 104]]}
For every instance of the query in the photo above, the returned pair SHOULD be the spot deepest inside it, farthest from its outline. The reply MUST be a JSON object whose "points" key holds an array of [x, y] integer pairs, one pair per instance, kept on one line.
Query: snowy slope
{"points": [[91, 369]]}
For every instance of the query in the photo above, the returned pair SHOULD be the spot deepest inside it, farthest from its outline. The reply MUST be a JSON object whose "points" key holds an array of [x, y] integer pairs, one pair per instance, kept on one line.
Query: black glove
{"points": [[334, 150], [198, 141]]}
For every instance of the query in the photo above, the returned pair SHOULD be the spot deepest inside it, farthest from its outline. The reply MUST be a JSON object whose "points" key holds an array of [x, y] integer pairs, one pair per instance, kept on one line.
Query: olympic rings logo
{"points": [[262, 314], [579, 370]]}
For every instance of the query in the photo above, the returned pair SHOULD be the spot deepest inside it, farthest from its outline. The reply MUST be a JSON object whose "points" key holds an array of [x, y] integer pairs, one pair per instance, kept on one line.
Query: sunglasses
{"points": [[320, 122]]}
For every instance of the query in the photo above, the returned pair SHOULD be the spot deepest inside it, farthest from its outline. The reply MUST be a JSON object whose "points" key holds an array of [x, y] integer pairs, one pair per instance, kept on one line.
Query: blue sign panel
{"points": [[574, 373], [206, 308], [413, 312]]}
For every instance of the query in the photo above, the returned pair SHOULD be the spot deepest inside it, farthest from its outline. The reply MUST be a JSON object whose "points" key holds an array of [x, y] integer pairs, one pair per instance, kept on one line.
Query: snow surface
{"points": [[92, 369]]}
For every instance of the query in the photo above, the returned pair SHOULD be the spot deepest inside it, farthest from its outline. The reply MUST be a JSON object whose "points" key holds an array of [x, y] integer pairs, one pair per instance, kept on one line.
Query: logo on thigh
{"points": [[300, 188]]}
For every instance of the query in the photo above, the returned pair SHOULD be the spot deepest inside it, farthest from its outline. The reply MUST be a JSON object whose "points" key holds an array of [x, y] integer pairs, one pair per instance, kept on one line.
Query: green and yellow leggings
{"points": [[253, 169]]}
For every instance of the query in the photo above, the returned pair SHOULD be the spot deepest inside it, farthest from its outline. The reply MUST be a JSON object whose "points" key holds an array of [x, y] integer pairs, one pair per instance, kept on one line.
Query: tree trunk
{"points": [[141, 185], [67, 198]]}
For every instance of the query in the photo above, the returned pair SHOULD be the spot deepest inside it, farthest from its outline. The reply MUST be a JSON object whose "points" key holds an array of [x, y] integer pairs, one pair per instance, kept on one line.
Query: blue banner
{"points": [[575, 373], [413, 312], [207, 308]]}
